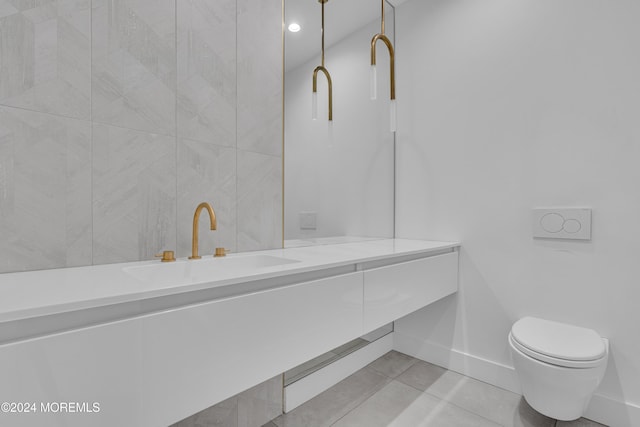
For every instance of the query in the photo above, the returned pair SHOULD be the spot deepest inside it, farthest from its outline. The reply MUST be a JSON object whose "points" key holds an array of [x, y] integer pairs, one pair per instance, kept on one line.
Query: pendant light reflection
{"points": [[374, 83], [330, 139], [373, 75], [321, 67], [314, 105]]}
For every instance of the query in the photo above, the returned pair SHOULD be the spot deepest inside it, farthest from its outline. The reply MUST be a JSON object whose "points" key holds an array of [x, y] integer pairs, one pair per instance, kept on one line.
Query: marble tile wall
{"points": [[134, 194], [207, 71], [260, 128], [45, 190], [207, 171], [46, 56], [259, 176], [117, 117], [133, 78]]}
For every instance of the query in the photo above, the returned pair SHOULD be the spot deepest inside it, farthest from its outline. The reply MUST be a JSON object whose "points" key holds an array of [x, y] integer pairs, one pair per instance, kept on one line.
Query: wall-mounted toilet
{"points": [[559, 365]]}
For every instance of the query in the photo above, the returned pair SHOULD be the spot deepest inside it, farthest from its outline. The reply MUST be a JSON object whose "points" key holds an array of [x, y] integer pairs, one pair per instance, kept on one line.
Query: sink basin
{"points": [[206, 269], [242, 262]]}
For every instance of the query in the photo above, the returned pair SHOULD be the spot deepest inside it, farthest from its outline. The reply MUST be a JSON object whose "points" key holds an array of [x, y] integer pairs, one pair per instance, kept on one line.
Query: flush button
{"points": [[572, 226], [562, 223], [552, 222]]}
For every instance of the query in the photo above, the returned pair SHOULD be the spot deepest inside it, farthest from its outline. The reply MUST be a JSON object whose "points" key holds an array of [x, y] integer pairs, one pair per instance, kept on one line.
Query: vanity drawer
{"points": [[394, 291], [159, 368]]}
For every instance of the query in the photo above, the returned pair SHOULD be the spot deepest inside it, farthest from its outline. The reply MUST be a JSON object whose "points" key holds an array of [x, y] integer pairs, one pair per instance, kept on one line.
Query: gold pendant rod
{"points": [[382, 23], [323, 33]]}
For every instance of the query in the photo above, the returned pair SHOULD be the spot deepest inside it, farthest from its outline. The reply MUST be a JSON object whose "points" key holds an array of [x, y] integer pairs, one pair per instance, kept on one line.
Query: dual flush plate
{"points": [[562, 223]]}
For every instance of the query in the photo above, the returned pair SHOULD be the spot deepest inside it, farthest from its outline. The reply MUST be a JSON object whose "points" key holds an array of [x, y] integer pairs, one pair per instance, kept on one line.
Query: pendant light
{"points": [[314, 94], [373, 75]]}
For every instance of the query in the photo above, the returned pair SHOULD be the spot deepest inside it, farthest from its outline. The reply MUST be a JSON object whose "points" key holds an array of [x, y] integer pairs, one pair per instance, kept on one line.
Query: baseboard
{"points": [[497, 374], [310, 386], [611, 412], [602, 409]]}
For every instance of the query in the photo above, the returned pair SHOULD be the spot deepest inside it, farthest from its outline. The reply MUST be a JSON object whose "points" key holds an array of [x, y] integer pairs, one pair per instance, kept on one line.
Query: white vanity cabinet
{"points": [[203, 341], [156, 369], [393, 291]]}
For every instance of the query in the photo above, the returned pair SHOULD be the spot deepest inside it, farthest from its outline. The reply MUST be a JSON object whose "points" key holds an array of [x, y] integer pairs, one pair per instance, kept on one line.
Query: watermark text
{"points": [[50, 407]]}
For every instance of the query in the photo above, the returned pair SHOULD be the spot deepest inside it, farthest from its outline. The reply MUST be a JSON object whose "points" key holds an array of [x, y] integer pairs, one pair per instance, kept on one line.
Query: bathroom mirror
{"points": [[338, 177]]}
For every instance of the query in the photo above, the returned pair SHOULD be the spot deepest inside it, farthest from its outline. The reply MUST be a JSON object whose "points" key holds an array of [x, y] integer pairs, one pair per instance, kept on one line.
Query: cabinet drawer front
{"points": [[394, 291], [159, 368]]}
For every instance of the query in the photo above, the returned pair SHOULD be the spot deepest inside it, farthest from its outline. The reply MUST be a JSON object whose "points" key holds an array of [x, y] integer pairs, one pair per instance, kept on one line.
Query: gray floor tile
{"points": [[392, 364], [526, 416], [381, 408], [438, 413], [493, 403], [223, 414], [331, 405], [400, 405], [270, 424], [581, 422], [421, 375]]}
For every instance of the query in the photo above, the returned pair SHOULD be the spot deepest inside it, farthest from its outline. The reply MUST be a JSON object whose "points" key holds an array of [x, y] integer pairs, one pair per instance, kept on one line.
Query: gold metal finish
{"points": [[196, 217], [167, 256], [323, 69], [220, 252], [392, 56], [315, 86]]}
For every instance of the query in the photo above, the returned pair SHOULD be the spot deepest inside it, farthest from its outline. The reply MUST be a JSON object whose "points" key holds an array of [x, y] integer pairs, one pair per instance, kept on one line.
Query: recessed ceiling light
{"points": [[294, 28]]}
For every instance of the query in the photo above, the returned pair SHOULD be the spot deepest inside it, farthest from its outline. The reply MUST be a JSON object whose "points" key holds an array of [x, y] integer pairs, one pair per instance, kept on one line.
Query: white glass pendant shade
{"points": [[392, 115], [314, 105], [374, 82]]}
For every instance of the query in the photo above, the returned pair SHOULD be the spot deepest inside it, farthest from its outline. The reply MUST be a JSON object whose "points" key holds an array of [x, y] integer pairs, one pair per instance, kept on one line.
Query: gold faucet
{"points": [[196, 217], [167, 256]]}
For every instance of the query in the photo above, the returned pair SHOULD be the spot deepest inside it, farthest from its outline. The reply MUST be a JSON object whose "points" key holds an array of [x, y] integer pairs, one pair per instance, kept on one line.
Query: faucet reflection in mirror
{"points": [[321, 67], [196, 218], [374, 83]]}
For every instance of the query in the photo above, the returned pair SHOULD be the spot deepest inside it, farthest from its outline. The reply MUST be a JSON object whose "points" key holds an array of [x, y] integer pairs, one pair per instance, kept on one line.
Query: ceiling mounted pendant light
{"points": [[314, 95], [381, 36]]}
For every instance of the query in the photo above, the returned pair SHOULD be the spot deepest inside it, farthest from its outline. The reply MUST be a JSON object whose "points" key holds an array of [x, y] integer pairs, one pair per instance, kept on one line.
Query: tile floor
{"points": [[398, 390]]}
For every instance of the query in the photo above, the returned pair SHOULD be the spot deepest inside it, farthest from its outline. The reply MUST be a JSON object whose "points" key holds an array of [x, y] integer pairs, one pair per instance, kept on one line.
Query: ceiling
{"points": [[342, 17]]}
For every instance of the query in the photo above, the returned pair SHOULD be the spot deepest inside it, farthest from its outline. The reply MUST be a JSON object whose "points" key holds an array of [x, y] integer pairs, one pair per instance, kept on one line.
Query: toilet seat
{"points": [[558, 343]]}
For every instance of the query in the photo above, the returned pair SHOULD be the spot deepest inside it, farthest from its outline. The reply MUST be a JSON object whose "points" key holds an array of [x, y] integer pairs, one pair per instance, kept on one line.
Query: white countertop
{"points": [[32, 294]]}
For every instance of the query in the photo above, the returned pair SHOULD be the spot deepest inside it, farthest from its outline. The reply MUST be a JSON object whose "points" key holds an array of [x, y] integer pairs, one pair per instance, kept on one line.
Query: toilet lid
{"points": [[558, 340]]}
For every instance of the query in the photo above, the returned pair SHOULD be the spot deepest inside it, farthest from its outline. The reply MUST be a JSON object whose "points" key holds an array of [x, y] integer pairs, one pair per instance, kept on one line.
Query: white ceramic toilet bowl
{"points": [[559, 365]]}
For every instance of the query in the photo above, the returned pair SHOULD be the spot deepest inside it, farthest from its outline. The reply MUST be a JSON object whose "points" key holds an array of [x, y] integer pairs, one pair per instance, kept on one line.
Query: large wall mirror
{"points": [[338, 177]]}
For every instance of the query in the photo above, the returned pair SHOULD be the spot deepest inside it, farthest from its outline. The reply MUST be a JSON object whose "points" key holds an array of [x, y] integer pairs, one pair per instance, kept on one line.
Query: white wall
{"points": [[348, 181], [504, 106]]}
